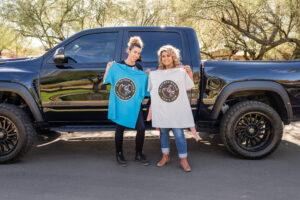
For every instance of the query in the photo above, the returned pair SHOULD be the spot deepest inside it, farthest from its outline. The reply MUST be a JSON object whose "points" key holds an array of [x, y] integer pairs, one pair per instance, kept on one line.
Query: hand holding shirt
{"points": [[169, 100], [128, 89]]}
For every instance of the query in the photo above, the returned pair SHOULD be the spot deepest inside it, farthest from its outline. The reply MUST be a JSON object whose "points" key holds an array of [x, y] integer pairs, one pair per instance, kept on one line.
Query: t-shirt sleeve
{"points": [[109, 76], [189, 84], [147, 94], [143, 90], [149, 83]]}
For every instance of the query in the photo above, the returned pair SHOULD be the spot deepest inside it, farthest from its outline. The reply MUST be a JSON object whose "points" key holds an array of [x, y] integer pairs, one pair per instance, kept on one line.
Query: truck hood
{"points": [[21, 64], [13, 60], [21, 71]]}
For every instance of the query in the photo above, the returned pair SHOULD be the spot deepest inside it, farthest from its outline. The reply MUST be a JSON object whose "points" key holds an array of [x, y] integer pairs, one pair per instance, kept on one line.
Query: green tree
{"points": [[52, 21], [147, 12], [12, 40], [252, 26], [47, 20], [6, 37]]}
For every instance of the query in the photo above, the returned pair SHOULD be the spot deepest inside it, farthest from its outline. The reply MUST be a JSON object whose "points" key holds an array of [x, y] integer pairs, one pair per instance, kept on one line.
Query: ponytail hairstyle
{"points": [[173, 51], [135, 41]]}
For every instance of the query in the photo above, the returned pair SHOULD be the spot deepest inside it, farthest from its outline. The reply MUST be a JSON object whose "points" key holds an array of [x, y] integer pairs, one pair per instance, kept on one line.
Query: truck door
{"points": [[154, 39], [73, 92]]}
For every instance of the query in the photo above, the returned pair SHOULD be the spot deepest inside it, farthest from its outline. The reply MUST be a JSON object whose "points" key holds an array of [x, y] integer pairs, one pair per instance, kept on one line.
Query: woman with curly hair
{"points": [[165, 90]]}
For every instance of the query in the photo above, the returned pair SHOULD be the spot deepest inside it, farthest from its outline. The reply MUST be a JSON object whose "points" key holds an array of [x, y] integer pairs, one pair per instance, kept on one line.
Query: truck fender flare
{"points": [[25, 94], [253, 85]]}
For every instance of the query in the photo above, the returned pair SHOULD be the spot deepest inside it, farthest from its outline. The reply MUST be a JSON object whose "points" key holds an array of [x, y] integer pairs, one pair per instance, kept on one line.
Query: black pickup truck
{"points": [[247, 102]]}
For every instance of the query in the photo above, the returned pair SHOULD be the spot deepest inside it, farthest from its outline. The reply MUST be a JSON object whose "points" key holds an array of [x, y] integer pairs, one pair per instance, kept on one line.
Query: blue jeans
{"points": [[179, 139]]}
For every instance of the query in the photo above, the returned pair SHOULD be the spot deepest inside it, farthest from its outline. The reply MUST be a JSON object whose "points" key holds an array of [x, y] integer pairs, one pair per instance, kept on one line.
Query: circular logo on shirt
{"points": [[125, 89], [168, 91]]}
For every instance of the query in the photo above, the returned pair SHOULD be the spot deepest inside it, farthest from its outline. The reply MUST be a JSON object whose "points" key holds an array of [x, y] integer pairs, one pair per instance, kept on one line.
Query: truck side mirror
{"points": [[59, 56]]}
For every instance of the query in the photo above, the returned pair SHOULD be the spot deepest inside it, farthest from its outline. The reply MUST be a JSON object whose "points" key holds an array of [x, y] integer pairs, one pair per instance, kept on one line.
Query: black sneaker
{"points": [[141, 158], [121, 160]]}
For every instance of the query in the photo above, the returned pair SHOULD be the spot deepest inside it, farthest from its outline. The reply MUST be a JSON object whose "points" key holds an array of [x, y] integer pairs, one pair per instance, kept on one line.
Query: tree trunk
{"points": [[245, 55], [207, 54], [296, 53]]}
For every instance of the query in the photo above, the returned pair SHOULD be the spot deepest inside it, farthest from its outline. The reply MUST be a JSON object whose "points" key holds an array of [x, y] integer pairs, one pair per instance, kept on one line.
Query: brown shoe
{"points": [[185, 165], [165, 159]]}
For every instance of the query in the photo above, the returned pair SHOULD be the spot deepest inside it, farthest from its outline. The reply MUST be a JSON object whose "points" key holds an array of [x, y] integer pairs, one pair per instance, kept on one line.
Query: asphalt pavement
{"points": [[82, 166]]}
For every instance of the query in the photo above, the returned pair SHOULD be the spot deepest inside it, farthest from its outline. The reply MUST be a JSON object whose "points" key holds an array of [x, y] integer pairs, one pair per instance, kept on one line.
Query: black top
{"points": [[137, 65]]}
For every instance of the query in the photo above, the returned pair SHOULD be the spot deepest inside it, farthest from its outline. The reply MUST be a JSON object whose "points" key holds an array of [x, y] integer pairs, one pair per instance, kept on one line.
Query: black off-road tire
{"points": [[251, 129], [18, 133]]}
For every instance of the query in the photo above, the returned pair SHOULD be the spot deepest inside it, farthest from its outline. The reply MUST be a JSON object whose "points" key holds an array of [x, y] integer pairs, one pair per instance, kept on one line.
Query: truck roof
{"points": [[140, 28]]}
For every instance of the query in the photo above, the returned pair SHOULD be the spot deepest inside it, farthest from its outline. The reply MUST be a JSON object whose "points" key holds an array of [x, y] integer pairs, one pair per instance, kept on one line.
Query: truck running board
{"points": [[82, 128], [88, 128]]}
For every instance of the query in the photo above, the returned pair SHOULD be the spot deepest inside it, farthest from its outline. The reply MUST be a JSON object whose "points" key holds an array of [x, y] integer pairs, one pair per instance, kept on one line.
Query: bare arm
{"points": [[188, 70], [109, 64]]}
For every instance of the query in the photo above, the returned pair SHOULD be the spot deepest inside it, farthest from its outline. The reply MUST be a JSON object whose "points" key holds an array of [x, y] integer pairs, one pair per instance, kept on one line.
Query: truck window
{"points": [[154, 40], [93, 48]]}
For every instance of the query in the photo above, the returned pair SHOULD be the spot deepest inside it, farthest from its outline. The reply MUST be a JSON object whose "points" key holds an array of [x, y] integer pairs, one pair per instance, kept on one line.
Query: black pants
{"points": [[140, 135]]}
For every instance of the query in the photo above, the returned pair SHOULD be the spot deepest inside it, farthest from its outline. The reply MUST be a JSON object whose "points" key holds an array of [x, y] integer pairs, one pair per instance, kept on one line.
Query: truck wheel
{"points": [[251, 129], [16, 133]]}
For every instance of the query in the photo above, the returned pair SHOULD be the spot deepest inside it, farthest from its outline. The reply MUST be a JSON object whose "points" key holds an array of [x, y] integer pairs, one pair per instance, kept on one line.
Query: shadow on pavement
{"points": [[102, 144]]}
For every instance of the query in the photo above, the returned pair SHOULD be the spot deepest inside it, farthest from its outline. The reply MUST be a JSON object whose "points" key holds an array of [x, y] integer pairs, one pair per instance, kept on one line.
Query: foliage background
{"points": [[258, 29]]}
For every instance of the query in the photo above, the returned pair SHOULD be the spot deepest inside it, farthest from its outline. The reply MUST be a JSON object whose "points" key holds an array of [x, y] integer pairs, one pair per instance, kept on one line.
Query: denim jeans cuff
{"points": [[165, 150], [183, 155]]}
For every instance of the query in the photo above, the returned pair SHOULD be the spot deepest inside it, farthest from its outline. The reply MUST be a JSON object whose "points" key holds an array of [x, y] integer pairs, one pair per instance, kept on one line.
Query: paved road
{"points": [[81, 167]]}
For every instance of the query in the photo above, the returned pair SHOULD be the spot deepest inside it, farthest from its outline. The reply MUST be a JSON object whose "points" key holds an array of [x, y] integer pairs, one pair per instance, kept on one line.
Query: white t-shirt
{"points": [[170, 104]]}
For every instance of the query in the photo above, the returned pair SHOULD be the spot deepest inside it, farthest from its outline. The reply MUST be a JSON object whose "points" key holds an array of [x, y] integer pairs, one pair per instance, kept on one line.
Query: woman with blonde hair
{"points": [[135, 46], [166, 86]]}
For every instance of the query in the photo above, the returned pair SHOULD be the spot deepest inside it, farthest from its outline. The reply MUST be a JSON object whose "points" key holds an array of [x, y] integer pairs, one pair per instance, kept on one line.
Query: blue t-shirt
{"points": [[128, 89]]}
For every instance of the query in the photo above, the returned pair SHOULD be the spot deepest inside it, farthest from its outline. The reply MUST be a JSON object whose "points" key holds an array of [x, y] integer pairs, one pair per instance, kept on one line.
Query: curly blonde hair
{"points": [[173, 51], [135, 41]]}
